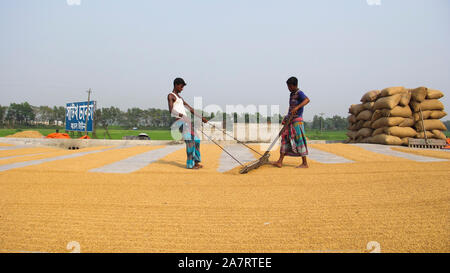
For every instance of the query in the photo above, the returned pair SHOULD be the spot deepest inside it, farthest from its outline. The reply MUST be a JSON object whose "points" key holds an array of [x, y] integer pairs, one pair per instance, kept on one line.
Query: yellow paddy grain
{"points": [[90, 161], [175, 163], [48, 153], [6, 144], [355, 153], [424, 152], [403, 205], [27, 134], [27, 151]]}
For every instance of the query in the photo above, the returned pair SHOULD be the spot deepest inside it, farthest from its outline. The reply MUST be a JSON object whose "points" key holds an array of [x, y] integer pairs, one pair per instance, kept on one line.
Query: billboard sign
{"points": [[76, 113]]}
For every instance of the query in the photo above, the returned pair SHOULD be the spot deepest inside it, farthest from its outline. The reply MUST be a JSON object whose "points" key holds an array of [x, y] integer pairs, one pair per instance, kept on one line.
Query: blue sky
{"points": [[229, 52]]}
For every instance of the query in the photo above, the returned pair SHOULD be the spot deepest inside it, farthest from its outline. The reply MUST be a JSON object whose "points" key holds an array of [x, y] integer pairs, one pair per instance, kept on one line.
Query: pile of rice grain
{"points": [[27, 134]]}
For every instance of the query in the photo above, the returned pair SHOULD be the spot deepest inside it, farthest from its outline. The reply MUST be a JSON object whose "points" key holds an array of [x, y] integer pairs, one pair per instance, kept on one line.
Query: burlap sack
{"points": [[421, 135], [419, 94], [351, 119], [431, 124], [387, 102], [370, 96], [355, 109], [366, 140], [437, 114], [387, 122], [405, 141], [352, 134], [369, 105], [429, 114], [427, 105], [406, 98], [367, 124], [359, 125], [386, 140], [434, 94], [364, 115], [400, 132], [392, 91], [408, 122], [425, 114], [365, 132], [379, 131], [377, 115], [398, 111], [439, 135]]}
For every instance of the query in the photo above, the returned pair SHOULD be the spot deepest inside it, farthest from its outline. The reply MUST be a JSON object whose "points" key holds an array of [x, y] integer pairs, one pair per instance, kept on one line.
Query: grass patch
{"points": [[101, 133], [326, 135], [165, 134]]}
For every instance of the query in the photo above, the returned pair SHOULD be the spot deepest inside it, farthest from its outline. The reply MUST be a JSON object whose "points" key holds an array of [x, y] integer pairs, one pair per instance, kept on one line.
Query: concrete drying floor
{"points": [[142, 199]]}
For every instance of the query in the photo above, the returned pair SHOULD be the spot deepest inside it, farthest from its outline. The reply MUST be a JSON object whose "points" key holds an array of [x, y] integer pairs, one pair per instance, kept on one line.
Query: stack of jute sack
{"points": [[425, 105], [391, 116], [360, 120]]}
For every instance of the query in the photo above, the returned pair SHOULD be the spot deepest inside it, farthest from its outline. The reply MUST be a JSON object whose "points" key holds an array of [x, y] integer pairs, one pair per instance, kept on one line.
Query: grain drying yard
{"points": [[111, 198]]}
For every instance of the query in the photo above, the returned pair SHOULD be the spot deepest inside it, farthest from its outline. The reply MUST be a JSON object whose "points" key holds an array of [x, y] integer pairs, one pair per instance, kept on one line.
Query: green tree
{"points": [[20, 113], [3, 110]]}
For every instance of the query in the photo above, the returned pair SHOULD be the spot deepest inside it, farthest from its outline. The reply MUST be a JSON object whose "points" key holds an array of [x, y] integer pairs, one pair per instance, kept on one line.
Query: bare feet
{"points": [[277, 164], [303, 166], [198, 166]]}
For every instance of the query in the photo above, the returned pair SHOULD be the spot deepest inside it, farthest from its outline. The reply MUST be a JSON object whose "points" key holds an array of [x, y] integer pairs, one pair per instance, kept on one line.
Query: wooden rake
{"points": [[264, 159]]}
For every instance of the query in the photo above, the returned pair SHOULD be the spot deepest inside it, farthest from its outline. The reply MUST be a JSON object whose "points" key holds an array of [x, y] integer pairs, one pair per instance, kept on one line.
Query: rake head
{"points": [[255, 164]]}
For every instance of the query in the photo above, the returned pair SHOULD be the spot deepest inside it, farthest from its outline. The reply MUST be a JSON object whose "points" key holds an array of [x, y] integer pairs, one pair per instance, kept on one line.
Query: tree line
{"points": [[24, 115]]}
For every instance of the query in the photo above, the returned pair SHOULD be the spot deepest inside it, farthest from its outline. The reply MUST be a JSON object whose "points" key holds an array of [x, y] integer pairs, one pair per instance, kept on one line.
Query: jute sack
{"points": [[427, 105], [392, 91], [405, 141], [400, 132], [366, 140], [355, 109], [439, 135], [387, 140], [387, 122], [419, 94], [352, 119], [352, 134], [370, 96], [408, 122], [425, 115], [434, 94], [387, 102], [365, 132], [359, 125], [437, 114], [406, 98], [429, 114], [421, 135], [398, 111], [367, 124], [369, 105], [431, 124], [379, 131], [364, 115]]}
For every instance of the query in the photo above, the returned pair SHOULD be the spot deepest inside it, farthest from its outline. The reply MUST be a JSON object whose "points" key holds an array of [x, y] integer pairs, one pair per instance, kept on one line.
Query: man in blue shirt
{"points": [[293, 139]]}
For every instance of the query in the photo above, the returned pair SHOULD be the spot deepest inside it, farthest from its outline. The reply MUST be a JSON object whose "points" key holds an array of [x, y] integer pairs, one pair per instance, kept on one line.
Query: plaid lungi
{"points": [[293, 139]]}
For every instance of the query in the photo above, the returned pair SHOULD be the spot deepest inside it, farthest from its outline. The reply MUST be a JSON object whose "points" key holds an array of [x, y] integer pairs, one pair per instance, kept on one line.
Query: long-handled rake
{"points": [[263, 160]]}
